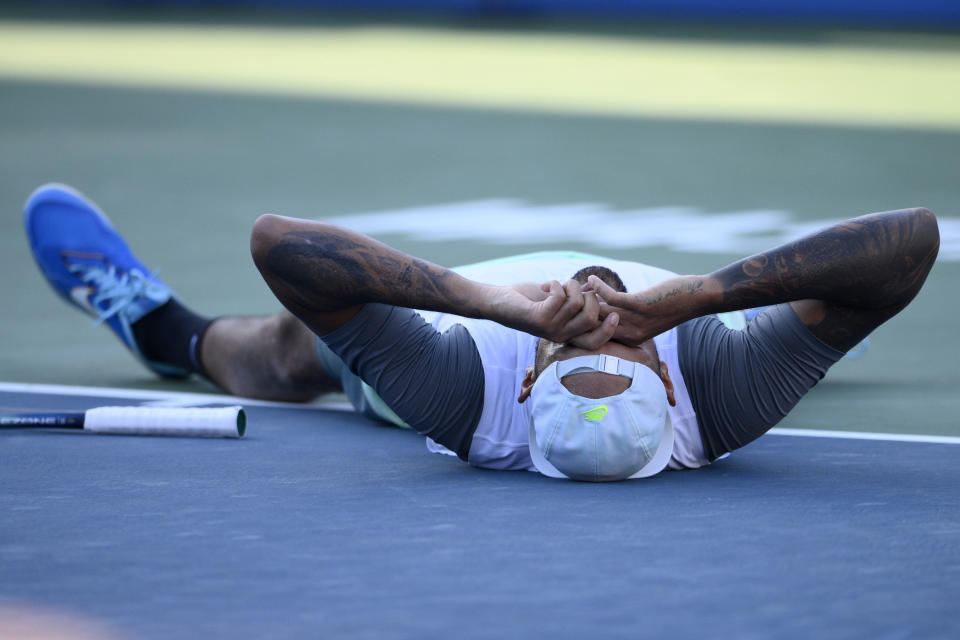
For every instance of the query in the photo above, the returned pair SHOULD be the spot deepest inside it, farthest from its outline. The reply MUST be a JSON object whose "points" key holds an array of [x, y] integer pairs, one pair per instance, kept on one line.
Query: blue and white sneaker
{"points": [[88, 263]]}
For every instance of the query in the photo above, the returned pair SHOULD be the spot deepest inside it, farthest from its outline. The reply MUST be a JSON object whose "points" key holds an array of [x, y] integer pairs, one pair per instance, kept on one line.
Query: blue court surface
{"points": [[321, 524]]}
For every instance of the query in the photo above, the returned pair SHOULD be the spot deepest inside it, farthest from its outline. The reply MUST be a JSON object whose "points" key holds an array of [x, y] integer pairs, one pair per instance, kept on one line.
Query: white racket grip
{"points": [[228, 422]]}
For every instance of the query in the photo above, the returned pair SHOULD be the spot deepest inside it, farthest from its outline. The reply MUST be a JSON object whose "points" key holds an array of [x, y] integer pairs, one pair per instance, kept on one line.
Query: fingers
{"points": [[600, 335], [606, 309], [555, 298], [575, 298], [580, 312], [566, 311], [608, 293], [531, 290], [591, 306], [589, 315], [586, 316], [555, 312]]}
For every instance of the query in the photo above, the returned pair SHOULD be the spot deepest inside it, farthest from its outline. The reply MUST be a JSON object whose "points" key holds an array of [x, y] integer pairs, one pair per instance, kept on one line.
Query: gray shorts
{"points": [[743, 382], [396, 367]]}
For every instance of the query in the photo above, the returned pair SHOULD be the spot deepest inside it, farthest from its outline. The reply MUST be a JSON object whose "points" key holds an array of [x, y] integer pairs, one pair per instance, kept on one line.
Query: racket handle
{"points": [[70, 420], [228, 422]]}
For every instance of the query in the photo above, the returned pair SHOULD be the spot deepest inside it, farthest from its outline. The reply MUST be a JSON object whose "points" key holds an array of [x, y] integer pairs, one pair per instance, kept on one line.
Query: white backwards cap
{"points": [[628, 435]]}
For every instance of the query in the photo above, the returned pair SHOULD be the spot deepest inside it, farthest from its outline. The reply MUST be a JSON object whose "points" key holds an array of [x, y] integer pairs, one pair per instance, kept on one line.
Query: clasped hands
{"points": [[588, 315]]}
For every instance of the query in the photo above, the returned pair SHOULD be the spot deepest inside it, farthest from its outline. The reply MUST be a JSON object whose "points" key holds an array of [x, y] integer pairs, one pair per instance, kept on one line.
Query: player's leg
{"points": [[272, 357], [89, 264]]}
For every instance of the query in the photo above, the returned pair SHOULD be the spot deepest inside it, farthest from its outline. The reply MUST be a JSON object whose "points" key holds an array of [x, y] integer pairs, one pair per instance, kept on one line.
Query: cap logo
{"points": [[596, 414]]}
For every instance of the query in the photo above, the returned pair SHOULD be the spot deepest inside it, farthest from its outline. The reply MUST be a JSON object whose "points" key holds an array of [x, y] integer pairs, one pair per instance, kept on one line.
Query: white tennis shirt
{"points": [[501, 438]]}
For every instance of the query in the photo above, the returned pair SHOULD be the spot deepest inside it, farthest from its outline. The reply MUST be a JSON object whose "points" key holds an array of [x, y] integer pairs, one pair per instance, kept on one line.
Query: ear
{"points": [[667, 383], [527, 385]]}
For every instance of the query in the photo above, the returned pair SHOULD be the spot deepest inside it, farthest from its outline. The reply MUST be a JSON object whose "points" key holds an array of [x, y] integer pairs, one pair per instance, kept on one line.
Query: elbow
{"points": [[275, 256], [266, 233], [922, 244], [289, 253], [926, 233]]}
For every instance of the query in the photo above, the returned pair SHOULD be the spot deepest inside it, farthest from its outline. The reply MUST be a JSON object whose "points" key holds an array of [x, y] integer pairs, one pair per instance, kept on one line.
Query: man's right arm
{"points": [[324, 273], [842, 281]]}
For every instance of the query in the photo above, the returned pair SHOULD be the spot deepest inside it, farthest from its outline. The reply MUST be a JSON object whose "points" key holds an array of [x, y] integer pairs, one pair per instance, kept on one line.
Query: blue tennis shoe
{"points": [[88, 263]]}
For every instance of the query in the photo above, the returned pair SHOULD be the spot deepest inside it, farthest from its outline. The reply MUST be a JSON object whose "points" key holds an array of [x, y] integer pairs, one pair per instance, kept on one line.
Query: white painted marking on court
{"points": [[178, 399], [865, 435], [506, 221], [151, 398]]}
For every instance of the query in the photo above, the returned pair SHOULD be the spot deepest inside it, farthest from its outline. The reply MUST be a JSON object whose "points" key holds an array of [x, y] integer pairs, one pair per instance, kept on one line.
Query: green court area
{"points": [[678, 148]]}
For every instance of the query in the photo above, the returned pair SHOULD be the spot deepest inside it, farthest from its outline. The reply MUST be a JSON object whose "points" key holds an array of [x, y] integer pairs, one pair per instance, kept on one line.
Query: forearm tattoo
{"points": [[327, 271], [685, 288]]}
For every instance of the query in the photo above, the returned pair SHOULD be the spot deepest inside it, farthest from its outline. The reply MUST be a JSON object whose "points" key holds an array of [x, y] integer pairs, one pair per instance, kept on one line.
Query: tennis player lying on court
{"points": [[573, 377]]}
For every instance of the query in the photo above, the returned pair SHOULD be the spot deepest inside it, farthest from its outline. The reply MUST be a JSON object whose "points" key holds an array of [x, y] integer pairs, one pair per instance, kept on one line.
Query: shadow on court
{"points": [[322, 524]]}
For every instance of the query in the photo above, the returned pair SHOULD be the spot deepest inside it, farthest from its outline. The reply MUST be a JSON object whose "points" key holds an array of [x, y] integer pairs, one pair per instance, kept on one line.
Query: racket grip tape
{"points": [[227, 422]]}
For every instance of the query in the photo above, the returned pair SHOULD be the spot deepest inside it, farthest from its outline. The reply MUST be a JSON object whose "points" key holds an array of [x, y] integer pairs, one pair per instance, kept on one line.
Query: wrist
{"points": [[491, 302], [682, 298]]}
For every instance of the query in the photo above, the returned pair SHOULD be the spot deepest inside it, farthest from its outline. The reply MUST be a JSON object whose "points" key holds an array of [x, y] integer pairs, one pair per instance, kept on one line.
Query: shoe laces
{"points": [[118, 289]]}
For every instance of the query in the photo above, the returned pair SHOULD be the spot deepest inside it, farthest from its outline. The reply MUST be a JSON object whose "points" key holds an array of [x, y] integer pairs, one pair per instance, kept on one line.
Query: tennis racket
{"points": [[227, 422]]}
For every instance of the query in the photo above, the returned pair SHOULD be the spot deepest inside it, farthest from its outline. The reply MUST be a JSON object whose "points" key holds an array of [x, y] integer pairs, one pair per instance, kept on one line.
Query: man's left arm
{"points": [[842, 281]]}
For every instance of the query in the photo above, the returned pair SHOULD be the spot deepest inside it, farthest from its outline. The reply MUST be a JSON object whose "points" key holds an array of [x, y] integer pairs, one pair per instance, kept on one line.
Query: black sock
{"points": [[172, 334]]}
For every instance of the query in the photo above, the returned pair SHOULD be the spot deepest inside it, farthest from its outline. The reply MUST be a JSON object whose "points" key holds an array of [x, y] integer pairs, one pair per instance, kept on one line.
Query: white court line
{"points": [[183, 399], [865, 435], [163, 398]]}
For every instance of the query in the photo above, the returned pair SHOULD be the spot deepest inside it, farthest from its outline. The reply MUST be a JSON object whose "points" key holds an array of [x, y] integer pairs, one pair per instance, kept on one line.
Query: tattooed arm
{"points": [[323, 274], [842, 281]]}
